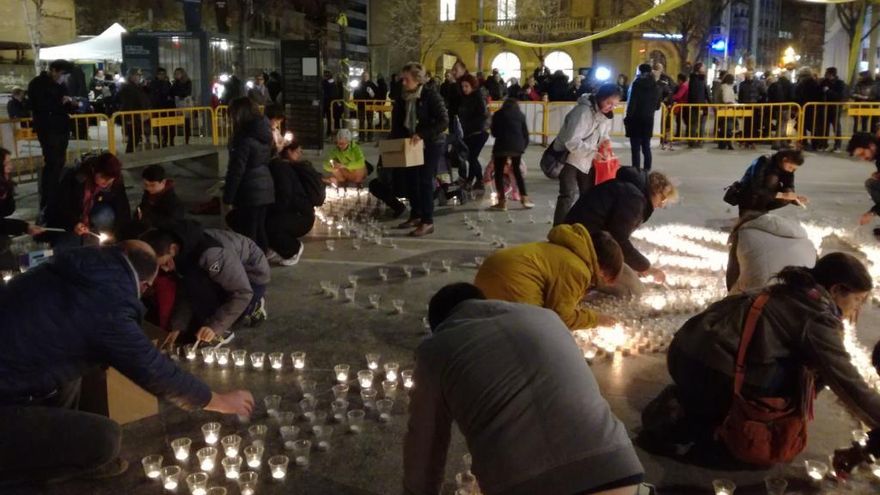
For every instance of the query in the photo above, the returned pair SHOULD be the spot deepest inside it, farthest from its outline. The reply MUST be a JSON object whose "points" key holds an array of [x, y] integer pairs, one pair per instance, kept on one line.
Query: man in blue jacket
{"points": [[89, 316]]}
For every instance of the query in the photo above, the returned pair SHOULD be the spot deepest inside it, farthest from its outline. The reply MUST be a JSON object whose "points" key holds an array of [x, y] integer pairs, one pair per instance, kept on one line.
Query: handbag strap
{"points": [[748, 331]]}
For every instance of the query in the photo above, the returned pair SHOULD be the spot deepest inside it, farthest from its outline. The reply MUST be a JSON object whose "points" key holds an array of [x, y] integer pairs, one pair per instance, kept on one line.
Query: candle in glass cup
{"points": [[447, 265], [384, 408], [383, 274], [816, 470], [222, 356], [180, 447], [216, 490], [308, 387], [331, 244], [322, 436], [389, 389], [239, 358], [407, 271], [391, 370], [152, 466], [356, 420], [349, 294], [775, 486], [307, 405], [208, 355], [231, 445], [276, 360], [247, 482], [253, 455], [341, 371], [211, 432], [189, 350], [356, 244], [278, 466], [289, 432], [365, 378], [368, 396], [340, 390], [397, 304], [723, 487], [373, 361], [338, 408], [258, 359], [197, 483], [170, 478], [299, 360], [258, 433], [302, 450], [374, 300], [407, 378], [285, 418], [207, 457], [232, 467]]}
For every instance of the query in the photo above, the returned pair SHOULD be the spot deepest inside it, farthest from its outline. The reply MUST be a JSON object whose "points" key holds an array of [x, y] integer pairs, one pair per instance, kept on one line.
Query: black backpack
{"points": [[312, 183]]}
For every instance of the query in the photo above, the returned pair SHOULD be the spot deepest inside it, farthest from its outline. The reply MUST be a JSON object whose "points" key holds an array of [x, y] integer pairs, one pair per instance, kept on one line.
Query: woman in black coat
{"points": [[511, 140], [249, 187], [643, 101], [768, 183], [473, 113], [698, 92], [420, 115]]}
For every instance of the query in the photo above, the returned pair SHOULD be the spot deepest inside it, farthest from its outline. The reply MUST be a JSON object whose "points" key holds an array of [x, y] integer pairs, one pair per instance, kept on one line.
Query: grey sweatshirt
{"points": [[515, 382]]}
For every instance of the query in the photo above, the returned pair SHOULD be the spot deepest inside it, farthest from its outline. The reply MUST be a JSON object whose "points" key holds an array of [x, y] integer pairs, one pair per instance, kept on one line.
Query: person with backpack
{"points": [[511, 140], [790, 339], [298, 191], [768, 183], [642, 104]]}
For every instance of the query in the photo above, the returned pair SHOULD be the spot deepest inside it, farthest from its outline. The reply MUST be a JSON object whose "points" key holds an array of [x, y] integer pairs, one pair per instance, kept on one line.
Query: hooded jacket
{"points": [[584, 128], [554, 274], [517, 386], [473, 112], [643, 102], [796, 328], [248, 180], [160, 209], [762, 247], [232, 261], [618, 206], [90, 315], [510, 131]]}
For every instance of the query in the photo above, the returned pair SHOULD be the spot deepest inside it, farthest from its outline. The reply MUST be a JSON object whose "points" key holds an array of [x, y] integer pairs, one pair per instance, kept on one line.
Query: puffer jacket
{"points": [[89, 315], [554, 274], [473, 112], [432, 119], [760, 248], [584, 128], [796, 328], [643, 102], [248, 179], [619, 207], [510, 131]]}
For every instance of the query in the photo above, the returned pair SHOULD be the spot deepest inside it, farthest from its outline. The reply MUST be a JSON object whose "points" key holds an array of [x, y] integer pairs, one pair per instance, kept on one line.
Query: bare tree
{"points": [[692, 21], [539, 21], [34, 23], [851, 15], [415, 27]]}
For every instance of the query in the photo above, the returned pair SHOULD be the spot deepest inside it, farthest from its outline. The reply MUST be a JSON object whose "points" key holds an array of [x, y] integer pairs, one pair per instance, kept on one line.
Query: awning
{"points": [[105, 46]]}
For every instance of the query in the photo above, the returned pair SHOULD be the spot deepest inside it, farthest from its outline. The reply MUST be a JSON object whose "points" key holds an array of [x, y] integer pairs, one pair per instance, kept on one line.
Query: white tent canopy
{"points": [[105, 46]]}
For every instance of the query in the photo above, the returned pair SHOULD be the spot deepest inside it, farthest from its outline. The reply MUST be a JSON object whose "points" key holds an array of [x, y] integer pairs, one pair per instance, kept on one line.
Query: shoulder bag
{"points": [[553, 161]]}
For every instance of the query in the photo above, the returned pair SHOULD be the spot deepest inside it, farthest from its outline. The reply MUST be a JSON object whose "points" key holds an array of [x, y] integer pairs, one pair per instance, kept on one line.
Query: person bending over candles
{"points": [[11, 226], [555, 274], [346, 164], [865, 146], [542, 426], [90, 317], [768, 183]]}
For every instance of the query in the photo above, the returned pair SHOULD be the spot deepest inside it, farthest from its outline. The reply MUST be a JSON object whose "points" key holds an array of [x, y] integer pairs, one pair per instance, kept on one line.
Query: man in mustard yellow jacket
{"points": [[554, 274]]}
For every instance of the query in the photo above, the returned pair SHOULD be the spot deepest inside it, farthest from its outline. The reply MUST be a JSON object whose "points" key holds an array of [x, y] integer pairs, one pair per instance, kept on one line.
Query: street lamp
{"points": [[789, 56]]}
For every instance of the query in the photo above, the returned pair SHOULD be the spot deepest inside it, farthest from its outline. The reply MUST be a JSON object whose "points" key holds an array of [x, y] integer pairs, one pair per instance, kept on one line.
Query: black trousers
{"points": [[54, 146], [250, 221], [641, 145], [284, 231], [515, 162], [420, 183]]}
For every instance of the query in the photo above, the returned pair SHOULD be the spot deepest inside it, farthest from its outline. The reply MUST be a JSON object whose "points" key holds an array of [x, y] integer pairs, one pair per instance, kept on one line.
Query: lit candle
{"points": [[299, 360], [365, 379], [181, 448], [341, 371], [407, 376], [211, 431]]}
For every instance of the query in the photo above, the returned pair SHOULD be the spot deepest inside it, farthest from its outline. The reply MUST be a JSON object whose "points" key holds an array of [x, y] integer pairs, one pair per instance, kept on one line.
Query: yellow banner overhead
{"points": [[645, 16]]}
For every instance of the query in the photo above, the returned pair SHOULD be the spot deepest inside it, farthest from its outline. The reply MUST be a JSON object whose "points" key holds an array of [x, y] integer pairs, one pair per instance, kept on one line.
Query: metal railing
{"points": [[745, 123], [143, 130], [535, 26], [820, 123]]}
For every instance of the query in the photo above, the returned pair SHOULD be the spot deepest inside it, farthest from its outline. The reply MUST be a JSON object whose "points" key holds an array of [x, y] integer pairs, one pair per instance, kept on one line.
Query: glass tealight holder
{"points": [[340, 390], [207, 457], [368, 396], [152, 466], [190, 352], [211, 432], [272, 403], [374, 299], [341, 372], [171, 478], [478, 260], [723, 487], [307, 406], [247, 482], [289, 433], [331, 244], [407, 271], [816, 470], [258, 433], [383, 274], [389, 389], [356, 244], [286, 418], [216, 490], [397, 304], [338, 408], [353, 280], [349, 293], [308, 387], [276, 360], [231, 445], [356, 420], [239, 358], [221, 355], [384, 408], [322, 436], [302, 450], [208, 355], [406, 377], [365, 378], [258, 360], [446, 264], [373, 361], [231, 467], [181, 447], [299, 360], [775, 486], [426, 267], [278, 467], [860, 437], [197, 483], [391, 371], [253, 455]]}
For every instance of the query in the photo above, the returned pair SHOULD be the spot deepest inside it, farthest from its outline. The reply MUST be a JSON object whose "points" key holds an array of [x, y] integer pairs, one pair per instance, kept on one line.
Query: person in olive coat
{"points": [[643, 101]]}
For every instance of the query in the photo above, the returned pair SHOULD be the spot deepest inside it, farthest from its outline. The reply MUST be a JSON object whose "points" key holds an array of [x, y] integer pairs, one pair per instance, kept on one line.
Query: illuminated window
{"points": [[506, 10], [508, 65], [560, 61], [447, 10]]}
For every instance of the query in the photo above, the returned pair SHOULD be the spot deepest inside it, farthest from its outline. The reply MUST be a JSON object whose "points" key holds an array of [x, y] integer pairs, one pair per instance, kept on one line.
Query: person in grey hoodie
{"points": [[514, 380], [761, 246], [587, 127]]}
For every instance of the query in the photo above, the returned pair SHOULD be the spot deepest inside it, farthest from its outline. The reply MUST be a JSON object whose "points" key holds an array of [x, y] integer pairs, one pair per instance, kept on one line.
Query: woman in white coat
{"points": [[761, 246], [587, 127]]}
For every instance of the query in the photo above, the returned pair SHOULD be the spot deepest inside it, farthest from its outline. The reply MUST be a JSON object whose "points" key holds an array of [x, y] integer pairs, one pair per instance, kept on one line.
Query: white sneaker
{"points": [[272, 256], [295, 258]]}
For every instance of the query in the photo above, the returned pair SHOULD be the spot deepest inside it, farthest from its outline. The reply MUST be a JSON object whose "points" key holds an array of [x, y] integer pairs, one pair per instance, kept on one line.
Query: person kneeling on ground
{"points": [[542, 425], [864, 145], [159, 203], [768, 183], [11, 226], [619, 206], [298, 191], [761, 245], [222, 277], [555, 274], [799, 333], [346, 164], [91, 317]]}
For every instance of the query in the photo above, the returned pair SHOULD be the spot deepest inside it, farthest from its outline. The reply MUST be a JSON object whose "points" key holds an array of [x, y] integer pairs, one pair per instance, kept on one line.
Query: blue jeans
{"points": [[420, 183]]}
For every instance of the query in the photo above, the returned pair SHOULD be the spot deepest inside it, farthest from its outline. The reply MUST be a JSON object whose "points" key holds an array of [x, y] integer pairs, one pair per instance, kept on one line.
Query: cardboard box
{"points": [[398, 153], [111, 394]]}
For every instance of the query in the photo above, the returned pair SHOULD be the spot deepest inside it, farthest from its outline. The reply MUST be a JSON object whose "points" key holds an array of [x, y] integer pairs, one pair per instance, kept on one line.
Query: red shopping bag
{"points": [[605, 164]]}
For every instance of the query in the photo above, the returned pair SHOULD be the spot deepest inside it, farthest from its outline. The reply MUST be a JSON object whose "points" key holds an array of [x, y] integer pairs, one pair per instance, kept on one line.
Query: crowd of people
{"points": [[503, 339]]}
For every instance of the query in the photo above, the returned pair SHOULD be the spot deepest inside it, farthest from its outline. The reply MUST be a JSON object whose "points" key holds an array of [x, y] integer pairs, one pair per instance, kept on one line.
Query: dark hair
{"points": [[832, 269], [470, 79], [831, 71], [793, 156], [3, 154], [7, 187], [645, 68], [682, 77], [61, 65], [273, 112], [243, 111], [860, 140], [447, 298], [696, 68], [875, 357], [105, 164], [291, 146], [161, 70], [727, 79], [608, 253], [142, 258], [154, 173], [160, 240], [605, 91], [510, 103]]}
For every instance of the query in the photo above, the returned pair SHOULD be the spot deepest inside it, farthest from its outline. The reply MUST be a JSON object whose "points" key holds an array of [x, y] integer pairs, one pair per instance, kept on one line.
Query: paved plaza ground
{"points": [[332, 332]]}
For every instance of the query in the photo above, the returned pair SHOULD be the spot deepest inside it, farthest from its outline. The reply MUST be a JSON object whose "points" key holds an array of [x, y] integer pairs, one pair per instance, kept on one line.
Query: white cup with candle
{"points": [[211, 432], [816, 470], [302, 450], [222, 357], [197, 483], [181, 447], [276, 360], [373, 361], [247, 482], [723, 487], [365, 378], [152, 466], [407, 378], [278, 467], [231, 445], [239, 358], [338, 408], [208, 355], [341, 372], [389, 389], [170, 478], [356, 420], [253, 456], [391, 371], [384, 408], [299, 360], [258, 359], [207, 457], [322, 436], [232, 467], [340, 390]]}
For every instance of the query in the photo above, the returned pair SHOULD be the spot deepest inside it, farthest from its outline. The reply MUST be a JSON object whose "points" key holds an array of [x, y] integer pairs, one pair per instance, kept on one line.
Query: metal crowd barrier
{"points": [[820, 123], [373, 116], [745, 123], [143, 130]]}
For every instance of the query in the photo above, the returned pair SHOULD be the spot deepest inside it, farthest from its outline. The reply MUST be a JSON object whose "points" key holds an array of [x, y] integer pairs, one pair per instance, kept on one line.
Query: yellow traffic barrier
{"points": [[373, 116], [145, 130], [222, 126], [820, 122], [745, 123]]}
